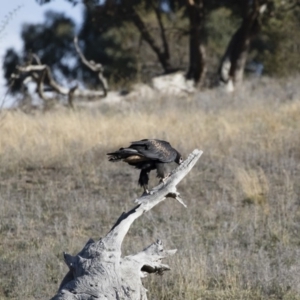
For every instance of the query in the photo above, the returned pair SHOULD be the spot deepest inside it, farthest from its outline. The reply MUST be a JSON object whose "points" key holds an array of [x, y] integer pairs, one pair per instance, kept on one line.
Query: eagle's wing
{"points": [[155, 149]]}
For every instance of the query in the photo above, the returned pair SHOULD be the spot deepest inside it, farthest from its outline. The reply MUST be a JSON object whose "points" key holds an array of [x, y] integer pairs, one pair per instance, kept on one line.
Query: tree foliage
{"points": [[50, 41], [136, 40], [101, 42], [279, 44]]}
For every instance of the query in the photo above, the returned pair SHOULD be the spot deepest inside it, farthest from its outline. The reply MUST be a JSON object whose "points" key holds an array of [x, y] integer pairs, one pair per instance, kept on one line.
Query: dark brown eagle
{"points": [[148, 155]]}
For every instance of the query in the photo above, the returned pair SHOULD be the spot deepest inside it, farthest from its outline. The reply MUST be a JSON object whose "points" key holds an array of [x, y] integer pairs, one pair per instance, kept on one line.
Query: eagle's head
{"points": [[178, 158]]}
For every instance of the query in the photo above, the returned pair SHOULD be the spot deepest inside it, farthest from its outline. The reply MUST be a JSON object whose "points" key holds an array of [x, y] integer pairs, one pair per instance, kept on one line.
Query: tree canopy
{"points": [[135, 40]]}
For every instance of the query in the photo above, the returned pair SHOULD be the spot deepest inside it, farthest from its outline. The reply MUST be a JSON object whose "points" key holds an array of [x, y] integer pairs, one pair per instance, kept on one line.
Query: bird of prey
{"points": [[147, 155]]}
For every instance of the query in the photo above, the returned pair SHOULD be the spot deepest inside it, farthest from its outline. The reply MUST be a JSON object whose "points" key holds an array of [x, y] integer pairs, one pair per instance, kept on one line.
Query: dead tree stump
{"points": [[99, 272]]}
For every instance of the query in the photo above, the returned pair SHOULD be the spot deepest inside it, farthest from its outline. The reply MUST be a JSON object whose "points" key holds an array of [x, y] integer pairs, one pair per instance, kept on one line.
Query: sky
{"points": [[14, 13]]}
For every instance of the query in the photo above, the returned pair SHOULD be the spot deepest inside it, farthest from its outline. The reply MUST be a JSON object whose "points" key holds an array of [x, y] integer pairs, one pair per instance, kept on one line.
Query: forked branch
{"points": [[96, 67], [41, 74]]}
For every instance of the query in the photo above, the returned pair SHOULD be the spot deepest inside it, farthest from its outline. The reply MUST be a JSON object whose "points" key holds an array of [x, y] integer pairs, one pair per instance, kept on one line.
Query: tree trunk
{"points": [[162, 55], [196, 48], [99, 272], [233, 63]]}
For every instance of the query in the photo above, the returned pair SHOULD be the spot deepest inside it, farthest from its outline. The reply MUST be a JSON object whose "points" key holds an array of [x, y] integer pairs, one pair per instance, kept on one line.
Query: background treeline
{"points": [[136, 40]]}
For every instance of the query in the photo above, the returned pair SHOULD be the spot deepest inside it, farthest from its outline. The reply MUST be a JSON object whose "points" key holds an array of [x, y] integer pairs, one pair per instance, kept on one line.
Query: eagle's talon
{"points": [[146, 193], [163, 180]]}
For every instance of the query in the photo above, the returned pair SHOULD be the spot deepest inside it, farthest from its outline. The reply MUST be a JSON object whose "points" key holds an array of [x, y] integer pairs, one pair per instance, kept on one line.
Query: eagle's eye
{"points": [[180, 160]]}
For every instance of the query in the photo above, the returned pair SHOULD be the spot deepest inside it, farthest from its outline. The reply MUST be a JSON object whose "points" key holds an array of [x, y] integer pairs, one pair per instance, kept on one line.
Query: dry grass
{"points": [[238, 238]]}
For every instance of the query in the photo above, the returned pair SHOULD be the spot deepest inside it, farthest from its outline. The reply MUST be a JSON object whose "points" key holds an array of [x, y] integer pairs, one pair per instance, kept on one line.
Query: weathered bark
{"points": [[233, 63], [99, 272], [197, 67]]}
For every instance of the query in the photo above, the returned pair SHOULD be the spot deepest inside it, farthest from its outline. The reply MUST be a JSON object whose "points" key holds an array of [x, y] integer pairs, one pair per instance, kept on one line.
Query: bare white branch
{"points": [[41, 74], [96, 67]]}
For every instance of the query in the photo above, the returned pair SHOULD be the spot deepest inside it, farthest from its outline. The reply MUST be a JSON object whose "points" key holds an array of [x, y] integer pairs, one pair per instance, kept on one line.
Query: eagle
{"points": [[147, 155]]}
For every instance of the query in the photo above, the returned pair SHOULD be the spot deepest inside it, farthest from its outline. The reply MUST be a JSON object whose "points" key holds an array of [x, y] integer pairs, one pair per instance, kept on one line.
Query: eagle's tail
{"points": [[122, 153], [114, 158]]}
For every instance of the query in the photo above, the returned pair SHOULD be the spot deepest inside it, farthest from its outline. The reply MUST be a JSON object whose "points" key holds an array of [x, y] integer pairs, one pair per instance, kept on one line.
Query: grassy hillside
{"points": [[239, 238]]}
